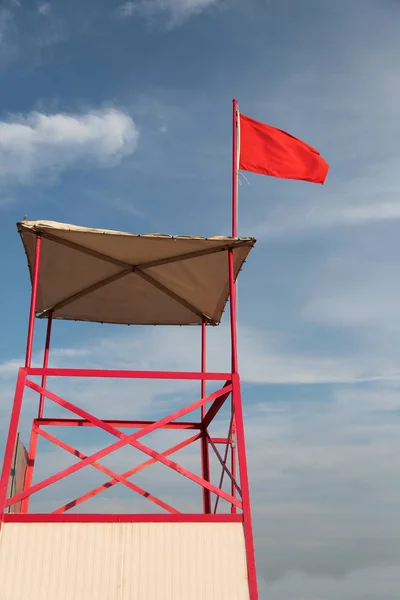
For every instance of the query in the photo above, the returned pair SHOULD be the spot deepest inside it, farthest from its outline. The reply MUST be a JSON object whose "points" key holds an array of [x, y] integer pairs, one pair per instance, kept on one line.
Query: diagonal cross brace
{"points": [[213, 410], [224, 460], [123, 441], [182, 471], [119, 478], [129, 473], [222, 463]]}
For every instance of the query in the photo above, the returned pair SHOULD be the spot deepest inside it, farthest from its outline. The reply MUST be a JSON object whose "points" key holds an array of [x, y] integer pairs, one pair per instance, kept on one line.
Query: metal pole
{"points": [[232, 293], [34, 432], [30, 467], [237, 414], [233, 461], [45, 362], [205, 455], [244, 484], [11, 440], [31, 327], [232, 285], [234, 167]]}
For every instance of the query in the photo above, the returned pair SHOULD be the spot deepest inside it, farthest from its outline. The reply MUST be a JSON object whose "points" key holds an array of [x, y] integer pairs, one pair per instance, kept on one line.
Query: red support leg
{"points": [[11, 441], [34, 433], [45, 363], [244, 482], [233, 462], [35, 281], [233, 311], [237, 413], [205, 455], [30, 467]]}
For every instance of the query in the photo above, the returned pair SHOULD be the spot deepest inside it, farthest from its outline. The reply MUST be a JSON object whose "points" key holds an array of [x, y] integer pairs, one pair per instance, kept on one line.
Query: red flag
{"points": [[270, 151]]}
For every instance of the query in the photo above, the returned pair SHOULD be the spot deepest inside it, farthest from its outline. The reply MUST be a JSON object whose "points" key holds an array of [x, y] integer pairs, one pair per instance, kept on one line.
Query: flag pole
{"points": [[232, 278], [234, 168], [233, 283]]}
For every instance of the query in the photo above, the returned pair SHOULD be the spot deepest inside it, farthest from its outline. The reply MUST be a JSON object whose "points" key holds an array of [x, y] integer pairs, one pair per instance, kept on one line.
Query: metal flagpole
{"points": [[235, 167]]}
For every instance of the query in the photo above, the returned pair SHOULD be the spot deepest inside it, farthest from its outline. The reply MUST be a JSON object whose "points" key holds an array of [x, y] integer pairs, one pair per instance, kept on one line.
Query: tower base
{"points": [[123, 560]]}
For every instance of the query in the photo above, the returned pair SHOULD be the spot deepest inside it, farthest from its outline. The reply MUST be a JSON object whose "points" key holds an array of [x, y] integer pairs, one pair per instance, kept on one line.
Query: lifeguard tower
{"points": [[83, 274]]}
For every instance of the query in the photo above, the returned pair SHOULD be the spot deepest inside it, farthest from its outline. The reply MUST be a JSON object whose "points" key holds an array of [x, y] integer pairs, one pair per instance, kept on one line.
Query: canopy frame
{"points": [[137, 268]]}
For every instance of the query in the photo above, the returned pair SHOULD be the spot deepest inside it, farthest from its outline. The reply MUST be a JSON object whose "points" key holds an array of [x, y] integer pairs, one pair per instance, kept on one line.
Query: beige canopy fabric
{"points": [[113, 277]]}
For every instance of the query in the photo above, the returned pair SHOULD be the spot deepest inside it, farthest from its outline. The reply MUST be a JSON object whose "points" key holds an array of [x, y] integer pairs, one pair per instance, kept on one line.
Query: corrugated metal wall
{"points": [[122, 561]]}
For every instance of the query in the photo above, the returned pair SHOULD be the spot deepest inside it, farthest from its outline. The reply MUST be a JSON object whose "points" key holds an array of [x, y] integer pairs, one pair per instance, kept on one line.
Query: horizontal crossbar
{"points": [[121, 518], [114, 423], [122, 374]]}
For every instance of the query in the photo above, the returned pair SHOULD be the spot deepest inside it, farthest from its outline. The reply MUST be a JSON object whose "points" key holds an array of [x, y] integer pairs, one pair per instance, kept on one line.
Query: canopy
{"points": [[113, 277]]}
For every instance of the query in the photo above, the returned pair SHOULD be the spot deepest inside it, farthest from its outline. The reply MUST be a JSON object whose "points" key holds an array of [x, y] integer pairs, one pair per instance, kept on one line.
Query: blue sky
{"points": [[118, 115]]}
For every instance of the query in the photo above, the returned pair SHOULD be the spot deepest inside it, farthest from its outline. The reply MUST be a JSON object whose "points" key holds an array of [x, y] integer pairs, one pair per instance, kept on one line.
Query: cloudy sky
{"points": [[118, 115]]}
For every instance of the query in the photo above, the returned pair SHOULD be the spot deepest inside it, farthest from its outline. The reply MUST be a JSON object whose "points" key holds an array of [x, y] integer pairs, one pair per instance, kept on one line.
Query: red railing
{"points": [[210, 406]]}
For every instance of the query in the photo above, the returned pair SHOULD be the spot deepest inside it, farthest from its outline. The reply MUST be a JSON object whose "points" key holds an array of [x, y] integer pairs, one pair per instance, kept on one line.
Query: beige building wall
{"points": [[122, 561]]}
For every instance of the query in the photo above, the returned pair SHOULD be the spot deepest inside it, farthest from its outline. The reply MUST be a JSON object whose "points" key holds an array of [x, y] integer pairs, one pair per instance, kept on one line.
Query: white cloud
{"points": [[44, 8], [265, 356], [370, 196], [175, 11], [127, 9], [37, 143]]}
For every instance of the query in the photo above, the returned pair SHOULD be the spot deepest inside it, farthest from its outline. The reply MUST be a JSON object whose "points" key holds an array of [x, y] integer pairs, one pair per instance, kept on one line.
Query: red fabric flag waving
{"points": [[270, 151]]}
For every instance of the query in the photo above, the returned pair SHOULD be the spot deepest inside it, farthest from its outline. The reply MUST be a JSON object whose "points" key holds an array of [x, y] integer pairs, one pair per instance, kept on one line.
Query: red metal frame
{"points": [[205, 455], [32, 310], [129, 473], [45, 362], [124, 439], [232, 460], [216, 398], [120, 518]]}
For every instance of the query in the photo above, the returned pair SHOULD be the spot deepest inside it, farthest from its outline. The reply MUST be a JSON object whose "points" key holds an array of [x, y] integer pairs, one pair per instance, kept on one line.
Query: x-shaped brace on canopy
{"points": [[128, 269], [125, 440]]}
